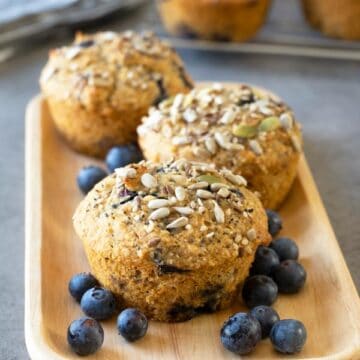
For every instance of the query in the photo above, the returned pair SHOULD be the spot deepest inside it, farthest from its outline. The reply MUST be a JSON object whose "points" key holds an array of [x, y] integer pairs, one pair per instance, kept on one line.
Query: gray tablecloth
{"points": [[324, 94]]}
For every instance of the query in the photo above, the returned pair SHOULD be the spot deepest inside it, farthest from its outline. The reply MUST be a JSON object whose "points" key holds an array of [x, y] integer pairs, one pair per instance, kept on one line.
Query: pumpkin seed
{"points": [[269, 124], [244, 130]]}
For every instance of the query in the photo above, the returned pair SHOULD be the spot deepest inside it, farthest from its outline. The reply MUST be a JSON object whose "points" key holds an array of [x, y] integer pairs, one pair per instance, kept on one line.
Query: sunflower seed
{"points": [[159, 213], [180, 222], [295, 142], [199, 185], [184, 210], [179, 179], [218, 186], [180, 193], [228, 117], [126, 172], [286, 121], [181, 140], [251, 234], [223, 192], [190, 115], [158, 203], [219, 213], [210, 145], [149, 228], [148, 181], [235, 179], [203, 228], [210, 235], [222, 140], [255, 147], [204, 194]]}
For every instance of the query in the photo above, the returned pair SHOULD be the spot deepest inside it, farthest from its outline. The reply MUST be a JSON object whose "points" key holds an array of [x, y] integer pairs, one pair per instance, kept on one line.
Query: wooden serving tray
{"points": [[328, 305]]}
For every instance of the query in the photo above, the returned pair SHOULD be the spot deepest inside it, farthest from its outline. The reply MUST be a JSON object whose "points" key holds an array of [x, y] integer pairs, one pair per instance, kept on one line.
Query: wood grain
{"points": [[329, 305]]}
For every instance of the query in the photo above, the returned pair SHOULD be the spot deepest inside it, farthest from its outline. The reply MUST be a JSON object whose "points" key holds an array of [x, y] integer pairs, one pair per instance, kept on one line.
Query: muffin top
{"points": [[114, 68], [178, 215], [211, 123]]}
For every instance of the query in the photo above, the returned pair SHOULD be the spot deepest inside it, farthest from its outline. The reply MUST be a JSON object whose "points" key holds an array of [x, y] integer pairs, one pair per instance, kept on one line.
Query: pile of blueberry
{"points": [[275, 269], [86, 335], [117, 156]]}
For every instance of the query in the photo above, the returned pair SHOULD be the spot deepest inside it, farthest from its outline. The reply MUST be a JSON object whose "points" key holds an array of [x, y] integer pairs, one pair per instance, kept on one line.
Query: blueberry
{"points": [[80, 283], [240, 333], [132, 324], [259, 290], [85, 336], [120, 156], [289, 276], [265, 260], [266, 316], [285, 248], [98, 303], [89, 176], [274, 222], [288, 336]]}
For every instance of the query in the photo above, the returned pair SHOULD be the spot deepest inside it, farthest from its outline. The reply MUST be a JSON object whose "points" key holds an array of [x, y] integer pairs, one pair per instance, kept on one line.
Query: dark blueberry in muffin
{"points": [[274, 222], [86, 43], [186, 31], [132, 324], [289, 276], [98, 303], [80, 283], [85, 336], [123, 155], [288, 336], [285, 248], [265, 260], [266, 316], [89, 176], [240, 333], [259, 290]]}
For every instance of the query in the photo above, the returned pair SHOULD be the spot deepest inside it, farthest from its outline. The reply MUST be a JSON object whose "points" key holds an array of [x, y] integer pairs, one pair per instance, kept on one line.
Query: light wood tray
{"points": [[328, 305]]}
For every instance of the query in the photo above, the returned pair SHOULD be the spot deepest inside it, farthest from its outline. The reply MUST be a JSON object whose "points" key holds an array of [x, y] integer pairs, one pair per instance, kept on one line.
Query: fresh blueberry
{"points": [[266, 316], [132, 324], [285, 248], [89, 176], [85, 336], [288, 336], [259, 290], [289, 276], [98, 303], [240, 333], [265, 260], [274, 222], [123, 155], [80, 283]]}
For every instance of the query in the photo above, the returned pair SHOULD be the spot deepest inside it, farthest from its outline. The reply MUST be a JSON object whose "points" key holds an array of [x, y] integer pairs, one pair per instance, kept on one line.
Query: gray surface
{"points": [[324, 94]]}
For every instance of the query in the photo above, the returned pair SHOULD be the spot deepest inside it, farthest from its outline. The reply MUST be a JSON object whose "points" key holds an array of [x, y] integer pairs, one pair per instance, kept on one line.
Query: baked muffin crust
{"points": [[99, 87], [239, 127], [173, 239]]}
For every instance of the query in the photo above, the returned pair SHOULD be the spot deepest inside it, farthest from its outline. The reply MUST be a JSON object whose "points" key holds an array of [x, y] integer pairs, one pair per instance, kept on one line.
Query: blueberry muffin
{"points": [[337, 18], [225, 20], [99, 87], [237, 127], [174, 239]]}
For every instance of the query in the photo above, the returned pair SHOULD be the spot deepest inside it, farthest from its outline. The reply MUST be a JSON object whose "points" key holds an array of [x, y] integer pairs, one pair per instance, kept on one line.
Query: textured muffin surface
{"points": [[99, 87], [225, 20], [238, 127], [337, 18], [173, 240]]}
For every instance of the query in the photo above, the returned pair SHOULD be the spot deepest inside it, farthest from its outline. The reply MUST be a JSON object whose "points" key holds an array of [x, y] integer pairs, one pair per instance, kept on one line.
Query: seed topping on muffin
{"points": [[167, 195], [218, 117]]}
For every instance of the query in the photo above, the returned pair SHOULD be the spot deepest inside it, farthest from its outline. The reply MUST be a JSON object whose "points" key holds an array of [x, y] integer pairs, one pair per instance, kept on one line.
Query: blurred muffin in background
{"points": [[99, 87], [218, 20], [337, 18]]}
